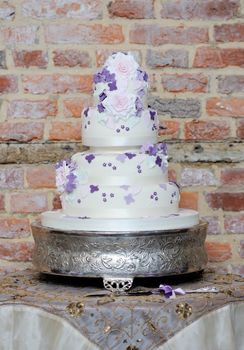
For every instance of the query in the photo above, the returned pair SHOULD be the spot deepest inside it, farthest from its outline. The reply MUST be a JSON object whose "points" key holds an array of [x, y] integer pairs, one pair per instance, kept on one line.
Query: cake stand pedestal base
{"points": [[119, 257]]}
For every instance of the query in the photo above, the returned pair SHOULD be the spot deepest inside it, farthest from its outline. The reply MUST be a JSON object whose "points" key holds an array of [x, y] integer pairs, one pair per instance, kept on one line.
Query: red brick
{"points": [[232, 176], [103, 54], [206, 130], [16, 251], [132, 9], [230, 83], [240, 129], [189, 200], [209, 57], [57, 83], [213, 225], [71, 58], [153, 34], [7, 11], [207, 9], [11, 177], [22, 132], [41, 176], [73, 107], [65, 131], [20, 35], [83, 34], [81, 9], [242, 248], [234, 224], [229, 32], [3, 64], [218, 252], [226, 107], [228, 201], [32, 108], [197, 177], [28, 202], [57, 202], [2, 202], [11, 227], [8, 83], [185, 82], [30, 58], [167, 58], [169, 128]]}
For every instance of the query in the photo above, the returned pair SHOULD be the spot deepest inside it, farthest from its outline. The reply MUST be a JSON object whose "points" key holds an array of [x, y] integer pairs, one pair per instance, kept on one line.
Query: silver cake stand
{"points": [[119, 257]]}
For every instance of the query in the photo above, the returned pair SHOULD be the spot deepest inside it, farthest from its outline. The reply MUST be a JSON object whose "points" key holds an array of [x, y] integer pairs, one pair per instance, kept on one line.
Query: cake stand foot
{"points": [[117, 284]]}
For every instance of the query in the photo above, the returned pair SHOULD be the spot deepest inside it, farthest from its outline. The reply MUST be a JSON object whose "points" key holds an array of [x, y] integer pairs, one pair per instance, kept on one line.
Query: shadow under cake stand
{"points": [[119, 256]]}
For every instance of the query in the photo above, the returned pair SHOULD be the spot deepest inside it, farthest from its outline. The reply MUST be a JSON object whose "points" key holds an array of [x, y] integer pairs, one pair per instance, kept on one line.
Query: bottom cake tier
{"points": [[185, 218]]}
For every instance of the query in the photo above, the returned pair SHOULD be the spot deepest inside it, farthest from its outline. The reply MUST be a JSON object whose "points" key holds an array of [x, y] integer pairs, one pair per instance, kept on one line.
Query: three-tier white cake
{"points": [[121, 183]]}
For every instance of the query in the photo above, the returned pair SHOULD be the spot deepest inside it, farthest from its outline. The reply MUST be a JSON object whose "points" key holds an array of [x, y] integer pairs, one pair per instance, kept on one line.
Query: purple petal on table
{"points": [[129, 199], [167, 290], [179, 291], [93, 188]]}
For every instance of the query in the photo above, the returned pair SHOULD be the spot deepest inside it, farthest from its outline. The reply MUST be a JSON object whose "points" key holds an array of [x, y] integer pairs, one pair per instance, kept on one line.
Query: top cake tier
{"points": [[120, 117]]}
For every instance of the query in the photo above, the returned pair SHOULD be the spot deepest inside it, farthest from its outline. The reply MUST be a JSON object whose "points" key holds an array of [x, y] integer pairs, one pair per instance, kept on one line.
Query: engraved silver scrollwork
{"points": [[135, 254]]}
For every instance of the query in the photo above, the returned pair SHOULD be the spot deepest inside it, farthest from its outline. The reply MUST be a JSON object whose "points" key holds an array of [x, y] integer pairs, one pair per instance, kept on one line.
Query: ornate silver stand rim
{"points": [[119, 258]]}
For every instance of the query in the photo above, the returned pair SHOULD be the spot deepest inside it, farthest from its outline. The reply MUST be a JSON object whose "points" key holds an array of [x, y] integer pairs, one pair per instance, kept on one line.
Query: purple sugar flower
{"points": [[90, 157], [130, 155], [93, 188], [121, 158], [163, 186], [158, 161], [139, 106], [100, 108], [86, 112], [102, 96], [129, 199], [152, 150], [145, 76], [70, 184], [162, 147], [97, 78], [112, 86], [152, 114]]}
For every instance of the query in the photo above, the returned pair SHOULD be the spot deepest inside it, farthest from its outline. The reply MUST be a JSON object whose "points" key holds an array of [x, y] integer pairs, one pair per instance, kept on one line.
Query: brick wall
{"points": [[194, 53]]}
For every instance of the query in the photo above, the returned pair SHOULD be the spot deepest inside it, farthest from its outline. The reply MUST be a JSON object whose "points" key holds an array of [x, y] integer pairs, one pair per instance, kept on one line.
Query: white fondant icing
{"points": [[184, 219]]}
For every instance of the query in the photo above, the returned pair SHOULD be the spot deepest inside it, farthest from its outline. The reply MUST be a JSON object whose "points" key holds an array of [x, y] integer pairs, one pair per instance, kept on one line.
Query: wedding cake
{"points": [[121, 182]]}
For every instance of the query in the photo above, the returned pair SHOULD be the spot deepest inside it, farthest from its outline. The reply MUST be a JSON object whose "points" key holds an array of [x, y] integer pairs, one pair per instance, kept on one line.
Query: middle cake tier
{"points": [[121, 184]]}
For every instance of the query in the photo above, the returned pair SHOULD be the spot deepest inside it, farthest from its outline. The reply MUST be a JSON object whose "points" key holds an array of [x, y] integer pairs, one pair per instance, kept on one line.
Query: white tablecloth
{"points": [[29, 328]]}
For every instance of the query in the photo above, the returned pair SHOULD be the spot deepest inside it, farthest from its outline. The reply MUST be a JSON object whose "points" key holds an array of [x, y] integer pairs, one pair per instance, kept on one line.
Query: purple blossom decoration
{"points": [[65, 176], [129, 199], [93, 188], [70, 184], [130, 155], [100, 108], [90, 157]]}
